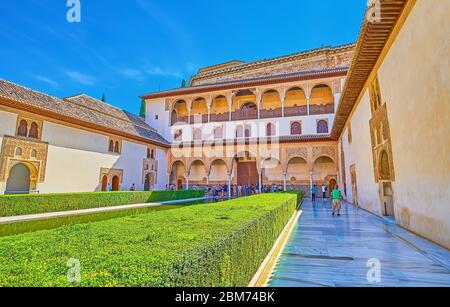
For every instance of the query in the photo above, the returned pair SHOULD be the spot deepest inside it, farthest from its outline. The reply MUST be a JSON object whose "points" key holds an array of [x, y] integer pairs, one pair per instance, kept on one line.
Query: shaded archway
{"points": [[295, 103], [322, 100], [244, 106], [178, 172], [384, 169], [220, 111], [19, 180], [180, 113], [271, 105], [272, 172], [34, 131], [199, 111], [104, 183], [297, 173], [22, 130], [116, 183], [149, 182], [197, 173], [323, 168], [218, 173]]}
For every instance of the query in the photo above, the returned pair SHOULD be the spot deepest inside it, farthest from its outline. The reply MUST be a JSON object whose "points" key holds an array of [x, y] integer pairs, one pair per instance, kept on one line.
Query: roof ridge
{"points": [[64, 100], [268, 60]]}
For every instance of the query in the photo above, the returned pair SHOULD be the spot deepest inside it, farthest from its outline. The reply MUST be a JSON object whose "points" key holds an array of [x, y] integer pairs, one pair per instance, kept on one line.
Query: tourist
{"points": [[133, 187], [336, 195], [239, 190], [247, 190], [109, 188], [324, 192], [314, 193]]}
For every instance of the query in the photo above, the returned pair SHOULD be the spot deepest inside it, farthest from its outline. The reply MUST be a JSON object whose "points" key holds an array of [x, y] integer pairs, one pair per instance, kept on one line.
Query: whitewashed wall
{"points": [[7, 127]]}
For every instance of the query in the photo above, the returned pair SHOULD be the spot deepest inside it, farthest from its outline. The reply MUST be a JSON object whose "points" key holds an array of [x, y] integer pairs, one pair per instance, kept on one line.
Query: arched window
{"points": [[111, 146], [197, 134], [178, 135], [152, 154], [33, 153], [23, 128], [240, 132], [34, 131], [296, 128], [248, 131], [322, 126], [218, 133], [270, 129], [18, 152], [117, 147], [385, 172]]}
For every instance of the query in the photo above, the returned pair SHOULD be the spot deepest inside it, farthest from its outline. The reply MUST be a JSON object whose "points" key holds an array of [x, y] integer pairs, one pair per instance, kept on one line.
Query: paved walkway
{"points": [[51, 215], [334, 251]]}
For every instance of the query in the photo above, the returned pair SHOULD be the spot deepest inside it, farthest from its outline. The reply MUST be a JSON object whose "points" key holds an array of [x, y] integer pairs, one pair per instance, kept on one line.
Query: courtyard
{"points": [[326, 251]]}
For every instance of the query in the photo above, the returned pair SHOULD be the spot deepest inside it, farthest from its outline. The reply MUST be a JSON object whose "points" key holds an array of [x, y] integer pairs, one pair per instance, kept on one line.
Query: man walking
{"points": [[239, 190], [324, 192], [314, 193], [336, 195]]}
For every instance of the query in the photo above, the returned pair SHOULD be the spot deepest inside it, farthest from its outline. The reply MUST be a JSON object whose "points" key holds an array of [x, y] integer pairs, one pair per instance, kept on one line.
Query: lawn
{"points": [[205, 245]]}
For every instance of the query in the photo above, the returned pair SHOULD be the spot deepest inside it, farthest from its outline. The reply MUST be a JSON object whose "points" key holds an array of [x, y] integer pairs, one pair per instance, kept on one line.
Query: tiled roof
{"points": [[371, 42], [290, 77], [81, 110], [265, 62]]}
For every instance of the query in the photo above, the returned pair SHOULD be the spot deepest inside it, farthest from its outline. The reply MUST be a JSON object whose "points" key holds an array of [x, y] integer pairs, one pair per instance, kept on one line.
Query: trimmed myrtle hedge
{"points": [[219, 244], [12, 205]]}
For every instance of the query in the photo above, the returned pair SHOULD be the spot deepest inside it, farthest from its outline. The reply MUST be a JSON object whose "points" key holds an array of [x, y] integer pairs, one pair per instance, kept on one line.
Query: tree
{"points": [[142, 111], [104, 98], [183, 83]]}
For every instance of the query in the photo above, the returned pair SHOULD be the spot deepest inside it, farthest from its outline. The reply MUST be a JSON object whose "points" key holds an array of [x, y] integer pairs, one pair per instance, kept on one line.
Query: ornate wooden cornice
{"points": [[375, 33]]}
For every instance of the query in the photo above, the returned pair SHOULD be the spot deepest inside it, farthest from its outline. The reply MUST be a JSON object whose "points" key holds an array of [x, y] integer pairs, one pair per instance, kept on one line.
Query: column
{"points": [[260, 182], [187, 182], [308, 98], [285, 181], [310, 180], [209, 105], [168, 182], [258, 103], [229, 185], [230, 105], [282, 93]]}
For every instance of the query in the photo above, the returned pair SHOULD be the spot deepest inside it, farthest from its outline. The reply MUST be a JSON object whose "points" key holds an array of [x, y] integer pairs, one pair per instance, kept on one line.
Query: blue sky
{"points": [[125, 48]]}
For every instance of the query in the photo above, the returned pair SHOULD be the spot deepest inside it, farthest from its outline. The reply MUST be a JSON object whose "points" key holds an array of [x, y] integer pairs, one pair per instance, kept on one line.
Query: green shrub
{"points": [[12, 205], [298, 194], [205, 245]]}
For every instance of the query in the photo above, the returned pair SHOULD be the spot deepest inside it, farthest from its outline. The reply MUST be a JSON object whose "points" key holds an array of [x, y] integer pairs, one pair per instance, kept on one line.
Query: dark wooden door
{"points": [[247, 173]]}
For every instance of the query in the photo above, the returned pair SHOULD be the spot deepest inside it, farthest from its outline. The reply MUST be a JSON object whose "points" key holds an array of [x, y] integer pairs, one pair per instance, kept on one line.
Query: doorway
{"points": [[179, 184], [354, 185], [19, 180], [116, 183]]}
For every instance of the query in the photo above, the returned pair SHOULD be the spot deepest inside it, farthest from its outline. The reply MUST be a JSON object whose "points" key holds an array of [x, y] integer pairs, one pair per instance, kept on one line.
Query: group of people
{"points": [[336, 197]]}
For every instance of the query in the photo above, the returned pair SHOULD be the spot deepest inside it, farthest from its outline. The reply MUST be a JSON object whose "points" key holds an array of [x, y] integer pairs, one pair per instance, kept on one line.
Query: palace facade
{"points": [[371, 117]]}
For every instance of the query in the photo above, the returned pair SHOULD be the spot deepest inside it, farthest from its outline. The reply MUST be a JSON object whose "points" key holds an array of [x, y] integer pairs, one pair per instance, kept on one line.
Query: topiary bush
{"points": [[205, 245], [12, 205]]}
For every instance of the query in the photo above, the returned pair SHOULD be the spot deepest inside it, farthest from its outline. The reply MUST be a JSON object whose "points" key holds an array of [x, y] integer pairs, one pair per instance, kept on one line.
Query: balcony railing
{"points": [[197, 119], [316, 109], [296, 111], [244, 114], [250, 114], [271, 113], [220, 117], [180, 120]]}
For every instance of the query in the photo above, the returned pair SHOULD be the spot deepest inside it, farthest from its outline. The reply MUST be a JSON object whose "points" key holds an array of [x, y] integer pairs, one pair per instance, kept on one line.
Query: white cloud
{"points": [[157, 71], [80, 77], [131, 73], [47, 80]]}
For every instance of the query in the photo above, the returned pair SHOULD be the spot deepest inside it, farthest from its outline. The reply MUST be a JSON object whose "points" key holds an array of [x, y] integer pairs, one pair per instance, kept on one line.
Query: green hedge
{"points": [[12, 205], [205, 245], [298, 194]]}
